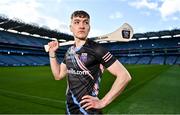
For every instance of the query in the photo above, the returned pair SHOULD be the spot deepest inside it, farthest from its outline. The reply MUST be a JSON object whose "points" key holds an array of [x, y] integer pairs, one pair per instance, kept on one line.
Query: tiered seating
{"points": [[178, 60], [144, 44], [158, 60], [122, 59], [132, 60], [21, 50], [8, 60], [28, 50], [151, 51], [144, 60], [17, 60], [12, 38], [170, 60]]}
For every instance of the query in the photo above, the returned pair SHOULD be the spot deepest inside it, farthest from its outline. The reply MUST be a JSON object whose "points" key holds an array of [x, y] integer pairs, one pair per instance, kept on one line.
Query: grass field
{"points": [[153, 89]]}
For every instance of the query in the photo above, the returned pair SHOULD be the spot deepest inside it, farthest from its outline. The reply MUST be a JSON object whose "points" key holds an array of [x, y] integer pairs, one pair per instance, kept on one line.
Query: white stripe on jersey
{"points": [[107, 57]]}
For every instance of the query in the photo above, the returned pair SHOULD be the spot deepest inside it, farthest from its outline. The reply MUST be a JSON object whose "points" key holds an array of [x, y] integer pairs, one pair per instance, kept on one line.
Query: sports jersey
{"points": [[84, 74]]}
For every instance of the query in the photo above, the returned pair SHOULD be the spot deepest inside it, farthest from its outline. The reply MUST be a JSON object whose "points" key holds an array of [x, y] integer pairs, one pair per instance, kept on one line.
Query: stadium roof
{"points": [[18, 25], [158, 34]]}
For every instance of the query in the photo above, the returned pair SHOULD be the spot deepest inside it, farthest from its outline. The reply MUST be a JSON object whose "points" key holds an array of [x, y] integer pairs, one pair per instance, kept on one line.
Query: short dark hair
{"points": [[80, 13]]}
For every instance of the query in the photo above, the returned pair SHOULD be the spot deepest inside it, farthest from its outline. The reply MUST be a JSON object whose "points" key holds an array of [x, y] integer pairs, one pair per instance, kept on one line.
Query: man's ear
{"points": [[89, 28]]}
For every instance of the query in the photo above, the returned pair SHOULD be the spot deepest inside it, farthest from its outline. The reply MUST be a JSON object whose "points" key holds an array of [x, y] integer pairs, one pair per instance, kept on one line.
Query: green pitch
{"points": [[153, 89]]}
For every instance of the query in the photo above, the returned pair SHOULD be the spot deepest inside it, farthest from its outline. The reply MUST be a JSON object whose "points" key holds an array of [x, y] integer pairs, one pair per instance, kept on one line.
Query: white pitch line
{"points": [[32, 96]]}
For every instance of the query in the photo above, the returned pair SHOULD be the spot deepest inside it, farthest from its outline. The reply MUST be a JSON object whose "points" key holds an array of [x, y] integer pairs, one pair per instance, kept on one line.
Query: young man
{"points": [[82, 67]]}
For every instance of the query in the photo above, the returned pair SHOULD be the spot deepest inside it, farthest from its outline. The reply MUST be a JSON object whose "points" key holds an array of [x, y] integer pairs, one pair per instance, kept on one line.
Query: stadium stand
{"points": [[17, 49], [178, 61], [144, 60], [170, 60], [164, 48], [158, 60]]}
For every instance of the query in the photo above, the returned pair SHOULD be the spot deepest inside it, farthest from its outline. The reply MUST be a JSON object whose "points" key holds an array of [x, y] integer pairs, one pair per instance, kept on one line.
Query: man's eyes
{"points": [[76, 22], [86, 22]]}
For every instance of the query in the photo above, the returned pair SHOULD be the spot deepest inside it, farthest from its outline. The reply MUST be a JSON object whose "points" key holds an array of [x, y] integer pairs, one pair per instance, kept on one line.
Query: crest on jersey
{"points": [[83, 57]]}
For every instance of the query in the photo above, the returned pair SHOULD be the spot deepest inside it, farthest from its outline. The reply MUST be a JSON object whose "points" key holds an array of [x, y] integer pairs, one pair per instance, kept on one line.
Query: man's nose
{"points": [[81, 25]]}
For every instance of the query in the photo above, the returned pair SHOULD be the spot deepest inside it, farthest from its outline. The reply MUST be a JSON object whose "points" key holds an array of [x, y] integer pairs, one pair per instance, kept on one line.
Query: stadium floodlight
{"points": [[122, 34]]}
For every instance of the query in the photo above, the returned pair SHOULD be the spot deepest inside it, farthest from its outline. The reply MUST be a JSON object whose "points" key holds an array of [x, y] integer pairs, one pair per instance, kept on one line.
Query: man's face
{"points": [[80, 27]]}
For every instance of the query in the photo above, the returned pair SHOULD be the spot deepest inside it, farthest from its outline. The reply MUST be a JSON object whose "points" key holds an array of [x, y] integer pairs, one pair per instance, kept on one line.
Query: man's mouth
{"points": [[81, 32]]}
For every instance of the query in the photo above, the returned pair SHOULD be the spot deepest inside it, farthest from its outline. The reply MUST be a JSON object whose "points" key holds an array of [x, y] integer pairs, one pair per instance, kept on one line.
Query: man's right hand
{"points": [[53, 46]]}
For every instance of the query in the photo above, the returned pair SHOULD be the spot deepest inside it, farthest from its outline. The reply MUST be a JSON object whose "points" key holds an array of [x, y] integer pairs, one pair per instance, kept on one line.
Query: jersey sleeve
{"points": [[63, 61], [104, 56]]}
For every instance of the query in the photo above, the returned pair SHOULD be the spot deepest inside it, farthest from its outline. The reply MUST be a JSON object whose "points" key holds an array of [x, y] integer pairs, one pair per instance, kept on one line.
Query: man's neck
{"points": [[79, 42]]}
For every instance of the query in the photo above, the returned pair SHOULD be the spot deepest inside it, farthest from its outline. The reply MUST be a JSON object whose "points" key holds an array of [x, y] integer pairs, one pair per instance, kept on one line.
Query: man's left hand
{"points": [[91, 102]]}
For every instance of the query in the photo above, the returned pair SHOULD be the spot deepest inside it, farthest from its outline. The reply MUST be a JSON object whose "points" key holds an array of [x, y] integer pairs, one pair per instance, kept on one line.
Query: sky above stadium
{"points": [[106, 15]]}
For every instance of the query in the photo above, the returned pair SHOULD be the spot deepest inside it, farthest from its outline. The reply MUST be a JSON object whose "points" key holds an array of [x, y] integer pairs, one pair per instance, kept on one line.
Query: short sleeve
{"points": [[104, 56], [63, 61]]}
